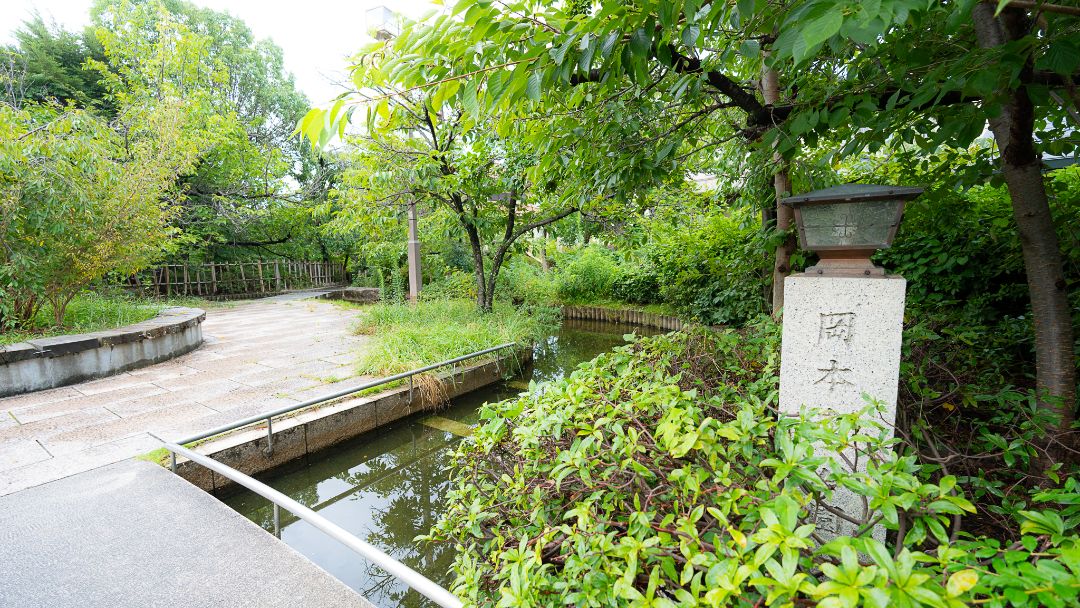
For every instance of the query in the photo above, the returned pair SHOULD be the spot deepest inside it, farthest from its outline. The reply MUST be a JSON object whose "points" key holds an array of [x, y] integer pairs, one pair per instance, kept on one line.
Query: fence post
{"points": [[262, 288], [168, 285], [277, 276]]}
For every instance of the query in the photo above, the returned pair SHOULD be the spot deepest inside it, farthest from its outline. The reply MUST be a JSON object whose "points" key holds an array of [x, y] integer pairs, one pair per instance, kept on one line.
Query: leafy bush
{"points": [[457, 285], [658, 475], [715, 271], [586, 275], [405, 337], [523, 282], [81, 197], [967, 296], [637, 284]]}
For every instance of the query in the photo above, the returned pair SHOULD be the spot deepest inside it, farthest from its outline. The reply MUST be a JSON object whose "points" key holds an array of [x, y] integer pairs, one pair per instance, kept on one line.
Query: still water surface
{"points": [[388, 486]]}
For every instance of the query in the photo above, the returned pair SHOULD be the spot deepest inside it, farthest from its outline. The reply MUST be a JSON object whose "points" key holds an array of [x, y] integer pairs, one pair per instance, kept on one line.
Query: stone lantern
{"points": [[846, 224], [843, 320]]}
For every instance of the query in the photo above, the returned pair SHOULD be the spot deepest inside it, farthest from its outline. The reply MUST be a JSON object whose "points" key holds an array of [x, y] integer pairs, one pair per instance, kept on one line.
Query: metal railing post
{"points": [[269, 436]]}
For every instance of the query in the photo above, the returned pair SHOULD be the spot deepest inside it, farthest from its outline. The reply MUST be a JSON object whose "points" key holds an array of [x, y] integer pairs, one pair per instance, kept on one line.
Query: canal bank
{"points": [[388, 486]]}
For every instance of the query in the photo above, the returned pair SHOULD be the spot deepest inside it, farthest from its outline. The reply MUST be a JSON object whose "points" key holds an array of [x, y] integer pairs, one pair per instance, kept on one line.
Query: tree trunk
{"points": [[1021, 166], [785, 217], [478, 261], [545, 263]]}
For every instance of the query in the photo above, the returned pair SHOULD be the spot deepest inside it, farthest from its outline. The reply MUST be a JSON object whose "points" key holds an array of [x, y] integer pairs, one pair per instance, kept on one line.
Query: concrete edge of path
{"points": [[133, 534], [62, 360]]}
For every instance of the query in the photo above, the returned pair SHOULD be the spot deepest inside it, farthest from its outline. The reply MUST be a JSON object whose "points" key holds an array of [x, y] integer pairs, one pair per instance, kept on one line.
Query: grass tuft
{"points": [[406, 337]]}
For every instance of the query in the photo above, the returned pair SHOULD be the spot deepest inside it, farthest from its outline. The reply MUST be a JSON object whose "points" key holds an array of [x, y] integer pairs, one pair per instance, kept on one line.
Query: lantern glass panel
{"points": [[849, 224]]}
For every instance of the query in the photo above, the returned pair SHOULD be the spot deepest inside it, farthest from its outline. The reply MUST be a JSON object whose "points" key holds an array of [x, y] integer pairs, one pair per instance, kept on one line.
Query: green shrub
{"points": [[456, 285], [637, 283], [586, 275], [716, 271], [658, 475], [967, 292], [405, 337], [522, 281]]}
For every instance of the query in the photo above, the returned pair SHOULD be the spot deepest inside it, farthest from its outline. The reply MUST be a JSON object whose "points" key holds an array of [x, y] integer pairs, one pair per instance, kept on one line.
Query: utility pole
{"points": [[415, 282], [385, 25]]}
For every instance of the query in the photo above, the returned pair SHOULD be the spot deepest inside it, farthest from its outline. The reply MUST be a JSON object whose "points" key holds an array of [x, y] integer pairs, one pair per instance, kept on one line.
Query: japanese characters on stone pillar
{"points": [[843, 320], [841, 339]]}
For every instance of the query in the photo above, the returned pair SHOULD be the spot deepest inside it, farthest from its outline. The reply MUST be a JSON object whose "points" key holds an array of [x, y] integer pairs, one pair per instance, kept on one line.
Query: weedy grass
{"points": [[92, 311], [405, 337]]}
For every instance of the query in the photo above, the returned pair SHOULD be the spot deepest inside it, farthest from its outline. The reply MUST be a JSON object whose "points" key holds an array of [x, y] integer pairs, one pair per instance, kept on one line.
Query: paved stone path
{"points": [[134, 535], [258, 355]]}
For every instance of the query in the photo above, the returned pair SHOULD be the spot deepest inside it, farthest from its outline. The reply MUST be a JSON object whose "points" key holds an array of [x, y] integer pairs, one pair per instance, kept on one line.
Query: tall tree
{"points": [[253, 176], [54, 65], [869, 74], [1021, 164], [418, 154]]}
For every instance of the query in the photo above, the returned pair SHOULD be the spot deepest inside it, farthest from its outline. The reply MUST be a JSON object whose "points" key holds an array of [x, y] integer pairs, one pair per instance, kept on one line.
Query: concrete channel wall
{"points": [[357, 295], [50, 362], [323, 426], [618, 315]]}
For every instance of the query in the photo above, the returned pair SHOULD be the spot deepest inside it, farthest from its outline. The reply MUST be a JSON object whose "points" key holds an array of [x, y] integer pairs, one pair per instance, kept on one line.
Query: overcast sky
{"points": [[316, 35]]}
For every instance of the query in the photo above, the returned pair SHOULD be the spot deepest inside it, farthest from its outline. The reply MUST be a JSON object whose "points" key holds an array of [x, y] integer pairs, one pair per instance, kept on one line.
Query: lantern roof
{"points": [[850, 193]]}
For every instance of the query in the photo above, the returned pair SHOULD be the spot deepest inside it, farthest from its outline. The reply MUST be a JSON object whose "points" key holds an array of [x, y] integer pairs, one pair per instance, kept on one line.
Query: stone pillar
{"points": [[841, 340], [414, 256]]}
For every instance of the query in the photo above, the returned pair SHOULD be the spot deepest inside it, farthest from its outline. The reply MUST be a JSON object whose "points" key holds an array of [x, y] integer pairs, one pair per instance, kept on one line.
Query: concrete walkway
{"points": [[258, 355], [134, 535]]}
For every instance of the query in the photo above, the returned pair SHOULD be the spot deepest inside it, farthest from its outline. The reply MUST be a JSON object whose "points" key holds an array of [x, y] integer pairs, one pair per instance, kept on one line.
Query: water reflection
{"points": [[389, 486]]}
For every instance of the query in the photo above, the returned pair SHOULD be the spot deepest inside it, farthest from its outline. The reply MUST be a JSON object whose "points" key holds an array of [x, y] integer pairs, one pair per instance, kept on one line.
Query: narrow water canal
{"points": [[388, 486]]}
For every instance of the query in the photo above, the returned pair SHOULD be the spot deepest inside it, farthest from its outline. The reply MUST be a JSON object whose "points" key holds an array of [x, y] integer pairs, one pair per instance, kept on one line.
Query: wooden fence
{"points": [[224, 279]]}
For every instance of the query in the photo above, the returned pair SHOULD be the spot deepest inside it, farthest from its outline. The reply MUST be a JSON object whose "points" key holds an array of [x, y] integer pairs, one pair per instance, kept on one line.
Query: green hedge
{"points": [[658, 475]]}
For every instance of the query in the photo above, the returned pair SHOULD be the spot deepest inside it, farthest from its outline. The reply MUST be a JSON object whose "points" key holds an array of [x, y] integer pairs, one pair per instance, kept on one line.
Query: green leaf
{"points": [[690, 35], [818, 31], [532, 87], [640, 43], [468, 99], [961, 582]]}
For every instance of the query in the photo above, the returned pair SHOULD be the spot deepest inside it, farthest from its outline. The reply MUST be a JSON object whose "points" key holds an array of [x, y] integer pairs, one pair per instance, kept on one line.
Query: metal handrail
{"points": [[412, 578], [267, 416]]}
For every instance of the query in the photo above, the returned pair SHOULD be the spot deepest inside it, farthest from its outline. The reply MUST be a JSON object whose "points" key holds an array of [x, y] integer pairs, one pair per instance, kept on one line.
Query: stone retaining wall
{"points": [[359, 295], [616, 315], [50, 362], [323, 426]]}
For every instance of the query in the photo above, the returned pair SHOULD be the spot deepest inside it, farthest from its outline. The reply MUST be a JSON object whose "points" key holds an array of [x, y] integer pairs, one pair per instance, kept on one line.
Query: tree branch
{"points": [[279, 241], [543, 222], [1043, 7]]}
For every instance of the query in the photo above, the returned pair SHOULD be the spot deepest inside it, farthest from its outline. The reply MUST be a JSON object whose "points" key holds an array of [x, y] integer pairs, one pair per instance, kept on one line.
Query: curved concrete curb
{"points": [[50, 362]]}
